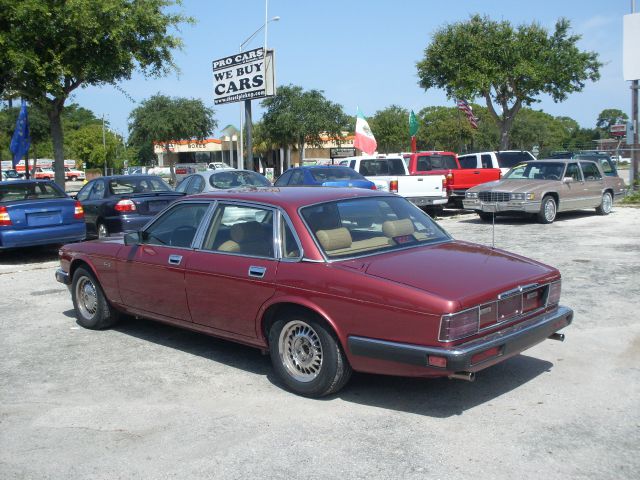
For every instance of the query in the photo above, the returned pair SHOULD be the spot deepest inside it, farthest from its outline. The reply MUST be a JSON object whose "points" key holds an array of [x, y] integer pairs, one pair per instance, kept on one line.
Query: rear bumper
{"points": [[29, 237], [424, 201], [509, 342]]}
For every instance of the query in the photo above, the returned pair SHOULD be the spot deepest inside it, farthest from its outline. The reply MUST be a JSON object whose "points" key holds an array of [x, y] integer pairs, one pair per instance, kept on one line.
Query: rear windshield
{"points": [[119, 186], [509, 159], [363, 226], [436, 162], [334, 174], [382, 166], [468, 161], [236, 179], [14, 191]]}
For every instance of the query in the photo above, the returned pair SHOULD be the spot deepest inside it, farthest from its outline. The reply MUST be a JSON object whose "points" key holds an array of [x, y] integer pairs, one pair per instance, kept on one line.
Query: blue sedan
{"points": [[325, 176], [38, 212]]}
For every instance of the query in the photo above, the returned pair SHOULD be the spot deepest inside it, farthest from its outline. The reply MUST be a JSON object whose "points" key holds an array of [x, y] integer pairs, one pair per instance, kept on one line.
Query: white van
{"points": [[504, 160]]}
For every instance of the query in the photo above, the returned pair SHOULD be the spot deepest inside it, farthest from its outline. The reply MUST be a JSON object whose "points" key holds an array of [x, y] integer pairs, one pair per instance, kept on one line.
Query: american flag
{"points": [[466, 108]]}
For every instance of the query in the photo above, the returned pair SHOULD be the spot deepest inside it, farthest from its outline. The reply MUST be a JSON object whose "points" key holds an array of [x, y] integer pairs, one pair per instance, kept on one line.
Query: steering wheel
{"points": [[553, 177]]}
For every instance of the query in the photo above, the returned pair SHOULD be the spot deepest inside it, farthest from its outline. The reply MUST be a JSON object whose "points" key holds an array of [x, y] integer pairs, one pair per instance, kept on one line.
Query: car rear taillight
{"points": [[78, 212], [373, 187], [125, 206], [459, 325], [5, 220], [393, 186], [444, 183], [553, 297]]}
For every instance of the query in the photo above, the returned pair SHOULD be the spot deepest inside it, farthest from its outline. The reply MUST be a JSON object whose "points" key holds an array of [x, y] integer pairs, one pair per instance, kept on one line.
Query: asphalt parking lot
{"points": [[146, 400]]}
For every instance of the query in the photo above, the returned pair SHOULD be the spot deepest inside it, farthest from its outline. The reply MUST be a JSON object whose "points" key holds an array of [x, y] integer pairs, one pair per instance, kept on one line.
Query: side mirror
{"points": [[133, 238], [567, 180]]}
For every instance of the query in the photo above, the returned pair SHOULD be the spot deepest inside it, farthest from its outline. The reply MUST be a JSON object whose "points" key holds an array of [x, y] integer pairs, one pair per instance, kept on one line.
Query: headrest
{"points": [[246, 232], [323, 221], [397, 228], [334, 239]]}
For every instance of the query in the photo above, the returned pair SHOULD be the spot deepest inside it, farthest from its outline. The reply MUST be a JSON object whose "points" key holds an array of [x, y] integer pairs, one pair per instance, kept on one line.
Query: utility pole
{"points": [[104, 146], [635, 148]]}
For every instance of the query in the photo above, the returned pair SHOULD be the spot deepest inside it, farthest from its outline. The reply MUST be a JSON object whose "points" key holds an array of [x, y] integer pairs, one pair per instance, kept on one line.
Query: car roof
{"points": [[311, 167], [35, 180], [291, 197], [126, 177]]}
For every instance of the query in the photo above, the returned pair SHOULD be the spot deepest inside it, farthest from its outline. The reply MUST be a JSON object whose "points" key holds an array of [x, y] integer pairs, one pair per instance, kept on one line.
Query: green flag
{"points": [[413, 124]]}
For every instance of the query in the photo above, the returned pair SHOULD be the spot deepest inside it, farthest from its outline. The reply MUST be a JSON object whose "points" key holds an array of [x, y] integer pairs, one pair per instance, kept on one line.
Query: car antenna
{"points": [[493, 230]]}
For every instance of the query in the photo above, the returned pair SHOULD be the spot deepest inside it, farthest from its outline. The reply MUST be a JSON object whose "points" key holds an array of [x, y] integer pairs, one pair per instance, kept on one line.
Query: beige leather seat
{"points": [[249, 238]]}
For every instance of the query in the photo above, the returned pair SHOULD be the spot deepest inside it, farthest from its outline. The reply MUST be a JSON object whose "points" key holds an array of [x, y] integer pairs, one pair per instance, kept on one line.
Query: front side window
{"points": [[176, 227], [574, 172], [362, 226], [241, 229], [196, 185], [590, 171], [85, 191], [98, 191], [283, 179], [184, 184]]}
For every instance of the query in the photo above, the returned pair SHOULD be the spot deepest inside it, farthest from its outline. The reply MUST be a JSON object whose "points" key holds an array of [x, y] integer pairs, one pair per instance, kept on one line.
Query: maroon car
{"points": [[328, 280]]}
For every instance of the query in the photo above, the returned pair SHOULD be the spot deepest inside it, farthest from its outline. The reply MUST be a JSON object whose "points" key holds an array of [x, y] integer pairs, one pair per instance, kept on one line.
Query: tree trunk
{"points": [[301, 150], [57, 137]]}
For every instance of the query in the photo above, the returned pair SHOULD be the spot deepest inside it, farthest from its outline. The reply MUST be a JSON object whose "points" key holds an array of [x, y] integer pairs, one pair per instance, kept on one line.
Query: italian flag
{"points": [[365, 140]]}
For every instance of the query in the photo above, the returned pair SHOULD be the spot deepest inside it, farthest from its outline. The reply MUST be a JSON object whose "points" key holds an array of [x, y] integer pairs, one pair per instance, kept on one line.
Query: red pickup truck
{"points": [[458, 179]]}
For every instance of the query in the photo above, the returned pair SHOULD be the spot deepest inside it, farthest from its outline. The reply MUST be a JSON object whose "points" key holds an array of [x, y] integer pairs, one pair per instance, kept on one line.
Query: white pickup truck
{"points": [[390, 174]]}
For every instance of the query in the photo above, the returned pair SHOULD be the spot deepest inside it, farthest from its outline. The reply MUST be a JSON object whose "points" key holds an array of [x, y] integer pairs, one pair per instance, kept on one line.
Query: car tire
{"points": [[486, 216], [605, 206], [102, 230], [548, 210], [90, 303], [306, 356], [73, 179]]}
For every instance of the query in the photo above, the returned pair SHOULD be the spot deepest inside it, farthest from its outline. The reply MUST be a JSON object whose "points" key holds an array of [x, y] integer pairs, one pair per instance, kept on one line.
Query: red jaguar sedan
{"points": [[327, 280]]}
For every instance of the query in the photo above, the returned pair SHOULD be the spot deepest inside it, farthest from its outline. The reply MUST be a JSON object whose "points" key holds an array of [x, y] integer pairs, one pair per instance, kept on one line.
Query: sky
{"points": [[362, 53]]}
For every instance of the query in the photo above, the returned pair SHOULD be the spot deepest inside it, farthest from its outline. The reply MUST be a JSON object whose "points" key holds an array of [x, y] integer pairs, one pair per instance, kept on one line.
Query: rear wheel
{"points": [[606, 205], [73, 179], [91, 306], [486, 217], [548, 210], [306, 356], [103, 232]]}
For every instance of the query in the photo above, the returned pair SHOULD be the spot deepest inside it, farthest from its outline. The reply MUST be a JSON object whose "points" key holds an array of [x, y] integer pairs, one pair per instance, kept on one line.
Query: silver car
{"points": [[546, 187], [214, 180]]}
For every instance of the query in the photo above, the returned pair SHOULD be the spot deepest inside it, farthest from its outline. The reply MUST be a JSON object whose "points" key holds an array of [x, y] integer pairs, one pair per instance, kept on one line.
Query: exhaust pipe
{"points": [[557, 336], [467, 376]]}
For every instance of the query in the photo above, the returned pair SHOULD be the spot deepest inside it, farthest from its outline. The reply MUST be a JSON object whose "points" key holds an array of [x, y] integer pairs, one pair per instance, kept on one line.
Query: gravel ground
{"points": [[146, 400]]}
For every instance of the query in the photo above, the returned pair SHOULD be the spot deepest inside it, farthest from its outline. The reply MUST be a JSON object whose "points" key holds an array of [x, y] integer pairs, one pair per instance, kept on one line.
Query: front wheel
{"points": [[90, 303], [486, 217], [306, 356], [548, 210], [605, 206]]}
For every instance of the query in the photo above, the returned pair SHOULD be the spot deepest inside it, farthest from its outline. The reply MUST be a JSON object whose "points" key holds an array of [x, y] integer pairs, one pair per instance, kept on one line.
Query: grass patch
{"points": [[632, 199]]}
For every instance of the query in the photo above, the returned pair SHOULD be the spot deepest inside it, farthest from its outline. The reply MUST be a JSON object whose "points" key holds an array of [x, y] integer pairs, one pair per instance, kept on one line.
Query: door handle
{"points": [[257, 272], [175, 259]]}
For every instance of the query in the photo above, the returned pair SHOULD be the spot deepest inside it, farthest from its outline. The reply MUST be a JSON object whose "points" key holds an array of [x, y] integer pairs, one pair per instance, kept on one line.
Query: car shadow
{"points": [[29, 255], [438, 398], [521, 219]]}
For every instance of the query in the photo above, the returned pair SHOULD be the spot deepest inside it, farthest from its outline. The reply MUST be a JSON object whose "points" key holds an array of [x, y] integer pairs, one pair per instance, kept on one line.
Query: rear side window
{"points": [[283, 179], [590, 171], [486, 161], [468, 161], [509, 159], [119, 186]]}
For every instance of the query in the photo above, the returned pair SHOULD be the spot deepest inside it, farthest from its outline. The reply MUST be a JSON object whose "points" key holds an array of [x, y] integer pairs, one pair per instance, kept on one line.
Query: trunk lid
{"points": [[459, 271], [41, 213]]}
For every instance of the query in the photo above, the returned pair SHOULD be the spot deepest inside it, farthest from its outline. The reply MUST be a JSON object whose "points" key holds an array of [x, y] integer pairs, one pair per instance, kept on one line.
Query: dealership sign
{"points": [[244, 76]]}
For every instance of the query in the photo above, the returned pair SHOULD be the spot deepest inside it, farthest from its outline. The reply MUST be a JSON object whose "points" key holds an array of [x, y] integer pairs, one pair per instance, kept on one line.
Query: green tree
{"points": [[608, 117], [534, 127], [295, 116], [508, 67], [165, 120], [391, 129], [86, 145], [49, 49]]}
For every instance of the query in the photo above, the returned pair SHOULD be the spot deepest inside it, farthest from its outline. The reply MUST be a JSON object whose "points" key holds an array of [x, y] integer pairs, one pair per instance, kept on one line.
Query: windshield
{"points": [[13, 191], [235, 179], [334, 174], [537, 171], [119, 186], [363, 226]]}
